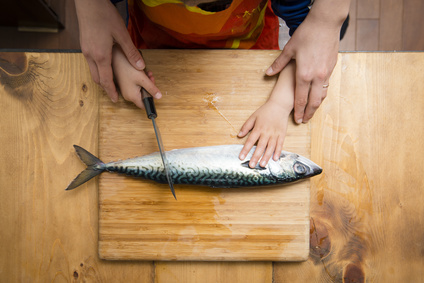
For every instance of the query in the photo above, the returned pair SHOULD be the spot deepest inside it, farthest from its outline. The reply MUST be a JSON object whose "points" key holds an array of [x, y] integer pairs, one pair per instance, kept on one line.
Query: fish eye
{"points": [[299, 168]]}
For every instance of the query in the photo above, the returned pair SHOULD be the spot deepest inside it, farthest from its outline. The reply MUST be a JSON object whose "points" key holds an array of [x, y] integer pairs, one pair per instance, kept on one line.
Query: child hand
{"points": [[131, 80], [268, 126]]}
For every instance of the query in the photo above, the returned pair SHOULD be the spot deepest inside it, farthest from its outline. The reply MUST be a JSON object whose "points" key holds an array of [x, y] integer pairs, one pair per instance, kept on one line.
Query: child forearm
{"points": [[283, 92]]}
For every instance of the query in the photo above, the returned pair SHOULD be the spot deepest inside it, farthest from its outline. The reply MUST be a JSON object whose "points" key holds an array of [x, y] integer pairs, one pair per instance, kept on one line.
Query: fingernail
{"points": [[158, 95], [242, 156], [299, 121], [114, 100], [240, 133], [263, 163], [139, 64], [269, 71]]}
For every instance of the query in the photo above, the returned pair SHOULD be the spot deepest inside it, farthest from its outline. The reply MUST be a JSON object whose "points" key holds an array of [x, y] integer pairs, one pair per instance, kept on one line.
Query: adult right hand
{"points": [[101, 26]]}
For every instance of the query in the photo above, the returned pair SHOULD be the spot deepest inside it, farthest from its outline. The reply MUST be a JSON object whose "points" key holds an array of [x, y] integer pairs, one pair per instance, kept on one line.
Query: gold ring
{"points": [[326, 86]]}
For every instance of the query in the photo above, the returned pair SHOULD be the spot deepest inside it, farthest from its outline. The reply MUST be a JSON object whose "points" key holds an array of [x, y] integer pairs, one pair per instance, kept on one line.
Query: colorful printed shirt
{"points": [[246, 24]]}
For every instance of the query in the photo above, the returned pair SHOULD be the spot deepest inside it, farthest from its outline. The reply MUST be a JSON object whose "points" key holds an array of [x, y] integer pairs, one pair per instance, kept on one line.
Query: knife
{"points": [[149, 105]]}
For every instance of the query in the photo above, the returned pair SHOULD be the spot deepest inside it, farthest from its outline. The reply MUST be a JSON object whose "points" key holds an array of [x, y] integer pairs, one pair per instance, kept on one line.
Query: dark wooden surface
{"points": [[385, 25]]}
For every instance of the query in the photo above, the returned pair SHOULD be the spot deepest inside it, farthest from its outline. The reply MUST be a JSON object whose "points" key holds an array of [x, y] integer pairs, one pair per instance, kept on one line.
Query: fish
{"points": [[214, 166]]}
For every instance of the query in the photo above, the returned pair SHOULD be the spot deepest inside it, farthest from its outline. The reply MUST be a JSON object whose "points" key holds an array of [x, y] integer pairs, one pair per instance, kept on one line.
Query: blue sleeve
{"points": [[293, 12]]}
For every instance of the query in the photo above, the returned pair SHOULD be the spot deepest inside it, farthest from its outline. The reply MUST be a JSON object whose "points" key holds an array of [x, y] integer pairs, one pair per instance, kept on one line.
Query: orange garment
{"points": [[246, 24]]}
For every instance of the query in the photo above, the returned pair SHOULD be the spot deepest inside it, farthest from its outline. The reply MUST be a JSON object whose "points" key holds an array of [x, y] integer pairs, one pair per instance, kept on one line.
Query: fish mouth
{"points": [[313, 169], [317, 170]]}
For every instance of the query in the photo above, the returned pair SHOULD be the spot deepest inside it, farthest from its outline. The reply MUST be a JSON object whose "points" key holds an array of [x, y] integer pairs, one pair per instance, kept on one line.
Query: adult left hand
{"points": [[314, 46]]}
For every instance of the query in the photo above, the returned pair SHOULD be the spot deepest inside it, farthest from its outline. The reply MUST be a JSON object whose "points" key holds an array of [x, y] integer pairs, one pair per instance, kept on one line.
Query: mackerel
{"points": [[214, 166]]}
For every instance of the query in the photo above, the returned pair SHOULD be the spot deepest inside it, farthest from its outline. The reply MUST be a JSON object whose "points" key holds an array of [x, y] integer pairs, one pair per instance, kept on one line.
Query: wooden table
{"points": [[367, 218]]}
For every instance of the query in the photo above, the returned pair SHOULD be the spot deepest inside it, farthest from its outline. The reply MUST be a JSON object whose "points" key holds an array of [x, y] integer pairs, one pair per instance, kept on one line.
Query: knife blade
{"points": [[149, 105]]}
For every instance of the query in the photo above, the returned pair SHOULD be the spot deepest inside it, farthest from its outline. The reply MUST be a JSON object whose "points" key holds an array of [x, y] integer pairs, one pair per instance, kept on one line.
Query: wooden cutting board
{"points": [[208, 95]]}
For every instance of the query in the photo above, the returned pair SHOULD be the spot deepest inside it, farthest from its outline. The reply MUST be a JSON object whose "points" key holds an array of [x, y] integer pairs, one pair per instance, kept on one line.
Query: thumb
{"points": [[133, 54], [248, 125], [149, 85], [282, 60]]}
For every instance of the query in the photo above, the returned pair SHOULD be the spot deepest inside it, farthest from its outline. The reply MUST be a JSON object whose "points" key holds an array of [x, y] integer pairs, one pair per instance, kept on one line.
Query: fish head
{"points": [[291, 167]]}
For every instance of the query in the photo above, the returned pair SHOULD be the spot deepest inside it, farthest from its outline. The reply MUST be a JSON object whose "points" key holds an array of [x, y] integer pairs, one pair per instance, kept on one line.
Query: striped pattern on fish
{"points": [[214, 166]]}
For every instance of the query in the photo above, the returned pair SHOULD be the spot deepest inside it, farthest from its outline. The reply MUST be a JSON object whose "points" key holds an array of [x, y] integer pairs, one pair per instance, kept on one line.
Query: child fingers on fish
{"points": [[267, 128], [131, 80]]}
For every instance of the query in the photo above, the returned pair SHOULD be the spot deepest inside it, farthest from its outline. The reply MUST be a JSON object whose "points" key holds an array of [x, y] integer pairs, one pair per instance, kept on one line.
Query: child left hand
{"points": [[268, 124]]}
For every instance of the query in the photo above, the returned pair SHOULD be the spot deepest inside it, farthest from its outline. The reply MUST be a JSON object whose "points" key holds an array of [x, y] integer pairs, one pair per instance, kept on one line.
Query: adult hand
{"points": [[101, 26], [314, 46]]}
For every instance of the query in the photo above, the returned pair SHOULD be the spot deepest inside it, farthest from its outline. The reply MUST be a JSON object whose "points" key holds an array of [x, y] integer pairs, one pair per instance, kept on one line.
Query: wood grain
{"points": [[366, 209], [413, 28], [367, 35], [49, 103], [400, 26], [391, 19], [205, 104], [193, 272], [368, 9]]}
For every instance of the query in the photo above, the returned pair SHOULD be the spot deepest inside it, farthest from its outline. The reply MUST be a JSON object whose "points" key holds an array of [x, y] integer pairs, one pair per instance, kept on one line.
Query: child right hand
{"points": [[131, 80]]}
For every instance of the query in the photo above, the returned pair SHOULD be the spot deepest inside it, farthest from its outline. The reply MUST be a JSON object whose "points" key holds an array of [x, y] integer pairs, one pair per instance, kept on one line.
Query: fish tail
{"points": [[94, 167]]}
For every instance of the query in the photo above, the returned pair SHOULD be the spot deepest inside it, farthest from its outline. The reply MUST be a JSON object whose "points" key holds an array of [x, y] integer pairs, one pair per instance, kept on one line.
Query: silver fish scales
{"points": [[214, 166]]}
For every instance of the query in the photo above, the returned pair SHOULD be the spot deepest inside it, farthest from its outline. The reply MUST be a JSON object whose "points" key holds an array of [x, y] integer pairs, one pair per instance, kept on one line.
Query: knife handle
{"points": [[149, 104]]}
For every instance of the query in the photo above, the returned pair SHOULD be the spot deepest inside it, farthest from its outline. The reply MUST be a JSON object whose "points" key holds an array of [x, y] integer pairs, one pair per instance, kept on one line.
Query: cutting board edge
{"points": [[302, 258]]}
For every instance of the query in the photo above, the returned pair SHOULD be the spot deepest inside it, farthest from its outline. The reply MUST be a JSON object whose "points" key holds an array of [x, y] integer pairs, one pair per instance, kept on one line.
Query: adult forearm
{"points": [[332, 12], [86, 8]]}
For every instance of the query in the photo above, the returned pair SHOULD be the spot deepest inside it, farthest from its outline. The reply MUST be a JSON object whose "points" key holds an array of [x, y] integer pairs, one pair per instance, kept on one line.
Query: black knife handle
{"points": [[149, 104]]}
